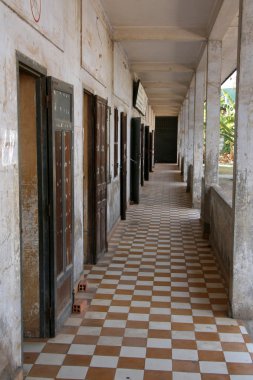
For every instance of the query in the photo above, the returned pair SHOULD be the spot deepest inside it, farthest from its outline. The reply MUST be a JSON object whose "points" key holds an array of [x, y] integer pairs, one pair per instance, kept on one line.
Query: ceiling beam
{"points": [[164, 106], [166, 113], [173, 85], [166, 110], [141, 67], [165, 96], [159, 33], [164, 103], [227, 13]]}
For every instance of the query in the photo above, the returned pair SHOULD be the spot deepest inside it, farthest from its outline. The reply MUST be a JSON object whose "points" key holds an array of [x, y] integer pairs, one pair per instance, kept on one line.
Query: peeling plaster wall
{"points": [[84, 60]]}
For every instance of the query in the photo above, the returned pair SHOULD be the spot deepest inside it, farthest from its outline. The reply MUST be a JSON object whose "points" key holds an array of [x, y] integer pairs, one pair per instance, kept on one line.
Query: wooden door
{"points": [[135, 159], [153, 149], [123, 165], [166, 139], [60, 143], [100, 190], [150, 151], [147, 154], [142, 155]]}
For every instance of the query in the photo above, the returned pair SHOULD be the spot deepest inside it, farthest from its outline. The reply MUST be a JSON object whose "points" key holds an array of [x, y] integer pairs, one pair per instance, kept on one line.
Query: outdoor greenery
{"points": [[227, 122]]}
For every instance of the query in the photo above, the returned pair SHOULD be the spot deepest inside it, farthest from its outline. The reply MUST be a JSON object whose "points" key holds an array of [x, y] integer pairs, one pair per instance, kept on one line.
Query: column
{"points": [[198, 138], [242, 267], [190, 135], [214, 53]]}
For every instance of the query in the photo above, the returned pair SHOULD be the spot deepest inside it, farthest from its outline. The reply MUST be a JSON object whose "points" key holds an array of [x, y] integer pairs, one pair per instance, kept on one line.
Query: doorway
{"points": [[135, 161], [45, 139], [123, 165], [94, 176], [166, 139], [30, 211], [147, 153], [88, 178]]}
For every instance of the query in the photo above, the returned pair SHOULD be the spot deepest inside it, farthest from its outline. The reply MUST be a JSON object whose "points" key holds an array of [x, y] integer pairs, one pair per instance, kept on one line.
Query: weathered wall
{"points": [[221, 235], [122, 100], [85, 60]]}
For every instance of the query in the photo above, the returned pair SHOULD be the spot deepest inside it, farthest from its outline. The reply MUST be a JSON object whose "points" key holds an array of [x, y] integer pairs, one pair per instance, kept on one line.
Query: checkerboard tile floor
{"points": [[158, 303]]}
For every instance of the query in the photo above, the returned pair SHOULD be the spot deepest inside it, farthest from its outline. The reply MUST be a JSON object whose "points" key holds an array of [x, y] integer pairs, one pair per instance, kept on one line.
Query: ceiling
{"points": [[164, 41]]}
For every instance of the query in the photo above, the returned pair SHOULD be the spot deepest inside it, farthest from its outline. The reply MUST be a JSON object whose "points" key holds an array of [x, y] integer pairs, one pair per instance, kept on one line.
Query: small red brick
{"points": [[82, 286], [79, 306]]}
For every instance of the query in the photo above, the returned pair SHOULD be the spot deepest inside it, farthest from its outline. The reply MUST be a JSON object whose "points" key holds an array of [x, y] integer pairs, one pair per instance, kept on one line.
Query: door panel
{"points": [[123, 166], [61, 130], [100, 176], [166, 139], [150, 151], [58, 202], [135, 159], [68, 195], [147, 154]]}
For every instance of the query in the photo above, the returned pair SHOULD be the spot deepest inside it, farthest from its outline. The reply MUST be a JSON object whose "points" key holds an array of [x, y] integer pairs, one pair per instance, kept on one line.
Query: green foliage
{"points": [[227, 121]]}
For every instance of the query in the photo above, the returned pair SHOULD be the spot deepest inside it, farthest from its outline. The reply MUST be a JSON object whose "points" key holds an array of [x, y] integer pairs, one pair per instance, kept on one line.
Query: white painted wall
{"points": [[86, 60]]}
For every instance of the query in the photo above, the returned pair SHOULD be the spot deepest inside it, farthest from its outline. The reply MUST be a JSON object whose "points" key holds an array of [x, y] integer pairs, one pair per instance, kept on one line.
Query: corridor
{"points": [[159, 305]]}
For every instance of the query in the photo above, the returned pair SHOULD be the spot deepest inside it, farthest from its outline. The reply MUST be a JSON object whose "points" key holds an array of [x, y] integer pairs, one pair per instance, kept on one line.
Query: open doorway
{"points": [[123, 165], [29, 204], [45, 140], [88, 178]]}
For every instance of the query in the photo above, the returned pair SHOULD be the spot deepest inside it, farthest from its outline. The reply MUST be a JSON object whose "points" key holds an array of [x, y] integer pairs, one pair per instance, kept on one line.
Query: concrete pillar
{"points": [[242, 266], [198, 138], [190, 134], [214, 53], [186, 127]]}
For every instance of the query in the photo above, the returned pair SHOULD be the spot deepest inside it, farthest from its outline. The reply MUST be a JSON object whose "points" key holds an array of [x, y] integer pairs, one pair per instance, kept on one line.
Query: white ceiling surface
{"points": [[164, 41]]}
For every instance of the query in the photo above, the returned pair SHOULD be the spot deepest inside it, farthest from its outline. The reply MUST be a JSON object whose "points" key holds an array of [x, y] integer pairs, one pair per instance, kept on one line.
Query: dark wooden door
{"points": [[135, 159], [100, 190], [123, 165], [153, 149], [142, 155], [61, 206], [147, 154], [166, 139], [150, 151]]}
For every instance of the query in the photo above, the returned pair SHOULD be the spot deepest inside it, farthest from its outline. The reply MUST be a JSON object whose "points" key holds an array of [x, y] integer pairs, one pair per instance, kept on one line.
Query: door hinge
{"points": [[49, 210]]}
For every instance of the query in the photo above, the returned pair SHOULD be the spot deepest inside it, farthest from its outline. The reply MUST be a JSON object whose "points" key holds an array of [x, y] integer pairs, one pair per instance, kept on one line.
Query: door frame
{"points": [[38, 71]]}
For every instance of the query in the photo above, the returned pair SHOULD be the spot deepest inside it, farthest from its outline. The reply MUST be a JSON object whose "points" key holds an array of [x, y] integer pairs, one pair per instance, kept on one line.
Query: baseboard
{"points": [[8, 373], [19, 374], [109, 235]]}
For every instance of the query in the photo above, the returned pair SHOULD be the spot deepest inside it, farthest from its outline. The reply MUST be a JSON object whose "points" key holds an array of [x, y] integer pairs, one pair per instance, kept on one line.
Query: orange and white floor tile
{"points": [[158, 306]]}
